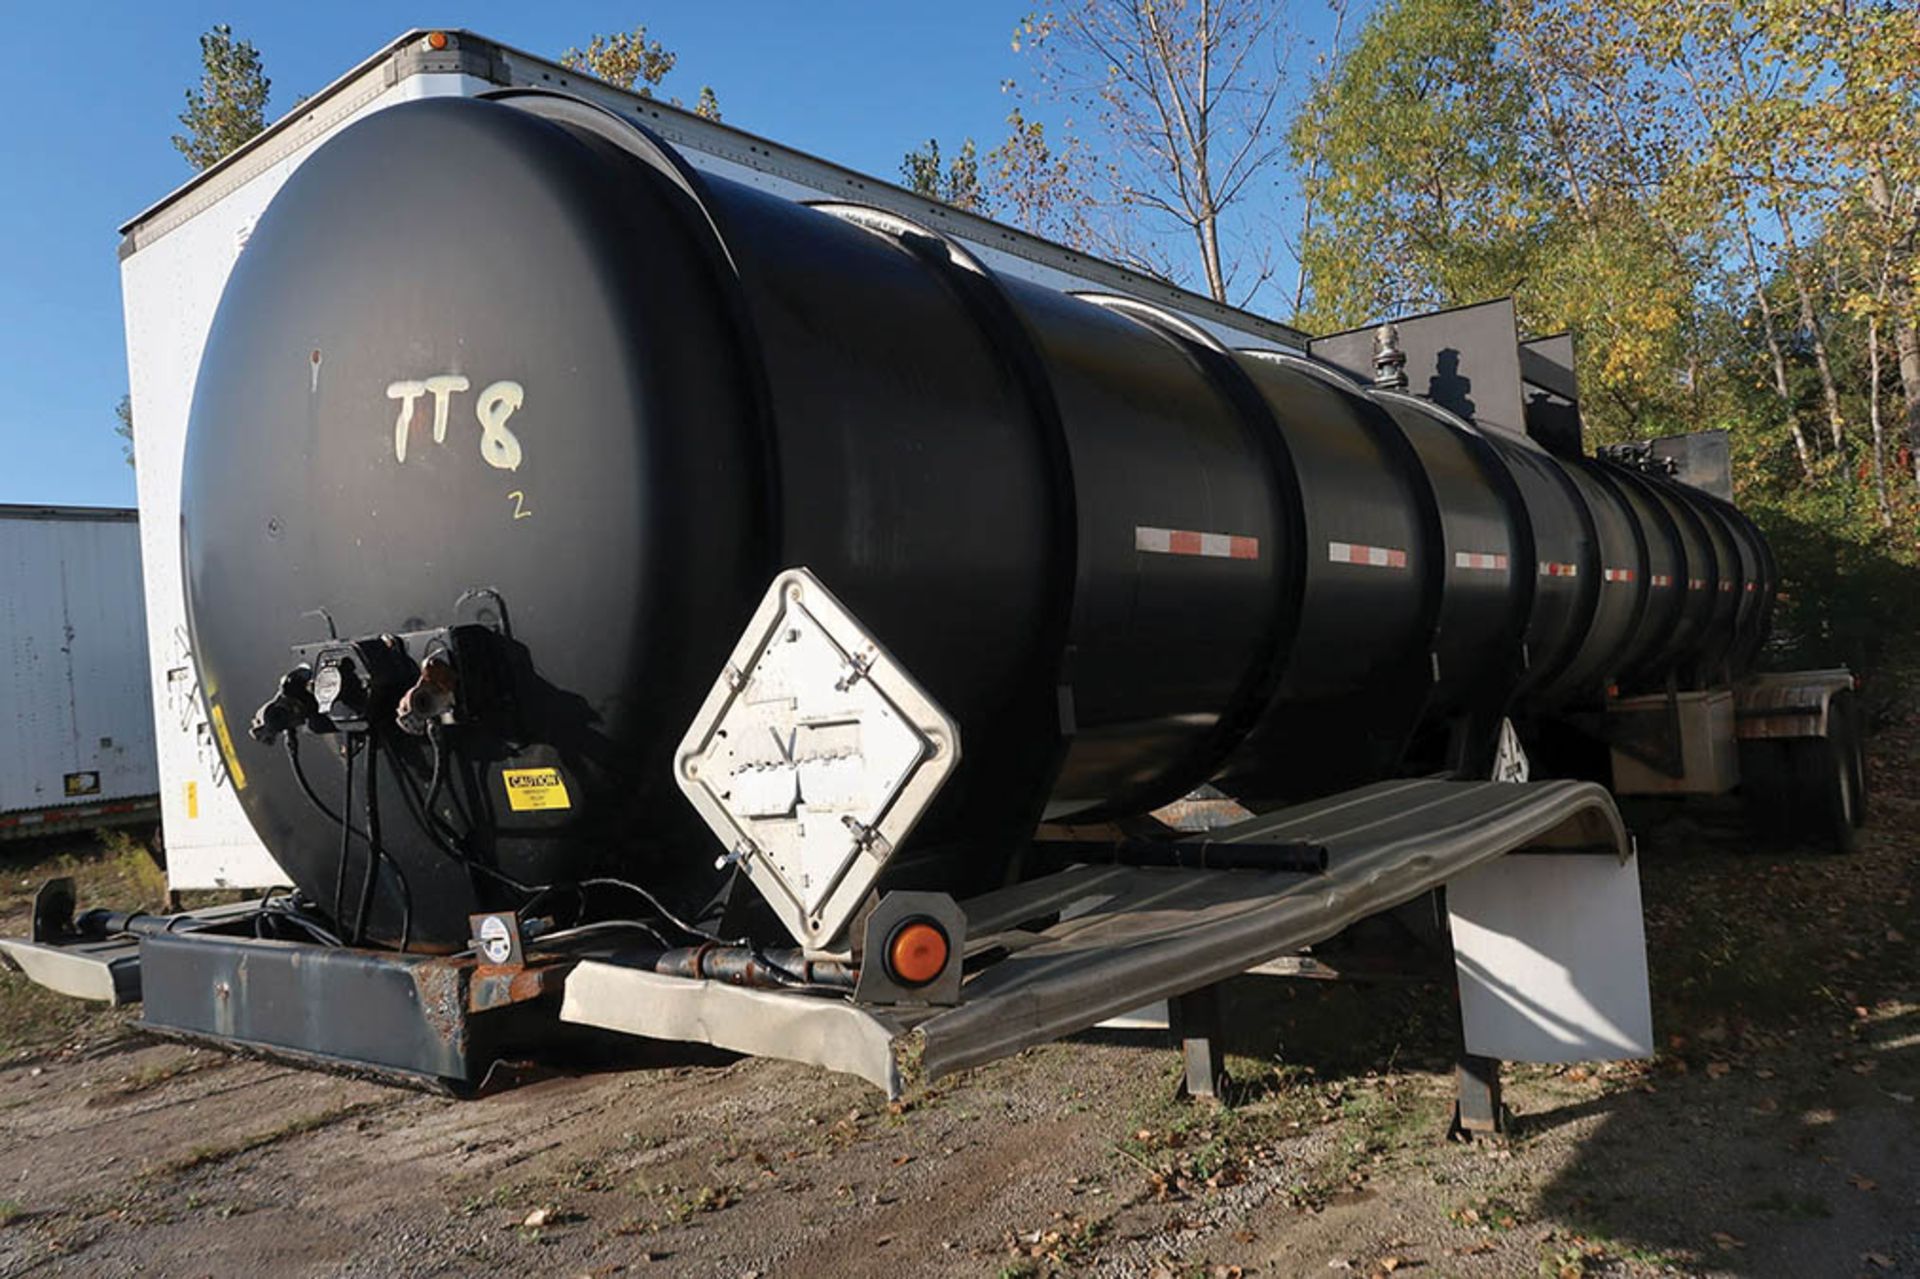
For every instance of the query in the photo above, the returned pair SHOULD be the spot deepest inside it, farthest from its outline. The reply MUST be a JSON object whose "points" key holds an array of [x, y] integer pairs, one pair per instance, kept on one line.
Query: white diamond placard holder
{"points": [[812, 758]]}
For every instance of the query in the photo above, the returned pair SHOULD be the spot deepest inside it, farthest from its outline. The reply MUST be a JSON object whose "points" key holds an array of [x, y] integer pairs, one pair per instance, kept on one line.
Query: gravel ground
{"points": [[1777, 1132]]}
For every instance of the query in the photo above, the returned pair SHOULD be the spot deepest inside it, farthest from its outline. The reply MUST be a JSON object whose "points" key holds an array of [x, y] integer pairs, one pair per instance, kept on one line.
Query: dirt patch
{"points": [[1775, 1134]]}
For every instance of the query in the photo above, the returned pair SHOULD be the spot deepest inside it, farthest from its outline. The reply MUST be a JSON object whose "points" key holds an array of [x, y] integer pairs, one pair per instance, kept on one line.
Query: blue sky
{"points": [[96, 90]]}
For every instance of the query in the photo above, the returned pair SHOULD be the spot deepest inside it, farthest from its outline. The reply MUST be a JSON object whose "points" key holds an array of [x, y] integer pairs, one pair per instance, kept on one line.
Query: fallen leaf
{"points": [[1860, 1182], [1718, 1070], [1880, 1259], [1726, 1242], [537, 1218]]}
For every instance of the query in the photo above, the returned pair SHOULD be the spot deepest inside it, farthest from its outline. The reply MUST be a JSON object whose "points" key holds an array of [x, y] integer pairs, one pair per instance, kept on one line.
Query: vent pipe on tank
{"points": [[1389, 361]]}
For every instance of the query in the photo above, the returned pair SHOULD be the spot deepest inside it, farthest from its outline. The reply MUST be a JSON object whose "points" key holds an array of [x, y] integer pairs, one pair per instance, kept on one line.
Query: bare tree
{"points": [[1183, 91]]}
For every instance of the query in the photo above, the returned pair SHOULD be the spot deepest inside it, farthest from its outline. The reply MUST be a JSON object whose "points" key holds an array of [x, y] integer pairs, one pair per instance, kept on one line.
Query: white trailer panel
{"points": [[76, 727]]}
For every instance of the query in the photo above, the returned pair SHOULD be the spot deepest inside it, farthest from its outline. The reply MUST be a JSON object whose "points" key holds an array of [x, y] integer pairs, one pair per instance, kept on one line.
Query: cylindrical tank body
{"points": [[552, 383]]}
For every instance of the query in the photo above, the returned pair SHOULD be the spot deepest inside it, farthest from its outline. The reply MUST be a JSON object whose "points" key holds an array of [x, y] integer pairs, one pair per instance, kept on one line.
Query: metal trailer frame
{"points": [[1045, 959]]}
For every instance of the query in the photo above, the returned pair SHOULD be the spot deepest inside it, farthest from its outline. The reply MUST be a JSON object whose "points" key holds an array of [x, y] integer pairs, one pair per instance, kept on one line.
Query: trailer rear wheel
{"points": [[1766, 785], [1855, 737], [1825, 782]]}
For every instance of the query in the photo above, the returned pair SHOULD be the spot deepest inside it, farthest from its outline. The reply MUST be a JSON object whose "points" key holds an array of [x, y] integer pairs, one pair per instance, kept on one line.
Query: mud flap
{"points": [[1552, 958]]}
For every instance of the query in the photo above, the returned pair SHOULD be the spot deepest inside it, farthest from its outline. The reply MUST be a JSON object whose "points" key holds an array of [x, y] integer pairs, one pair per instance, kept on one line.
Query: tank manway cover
{"points": [[813, 756]]}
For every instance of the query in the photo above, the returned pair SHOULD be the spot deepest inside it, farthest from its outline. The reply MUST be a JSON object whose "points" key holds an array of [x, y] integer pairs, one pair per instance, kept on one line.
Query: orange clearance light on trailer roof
{"points": [[917, 952], [437, 40]]}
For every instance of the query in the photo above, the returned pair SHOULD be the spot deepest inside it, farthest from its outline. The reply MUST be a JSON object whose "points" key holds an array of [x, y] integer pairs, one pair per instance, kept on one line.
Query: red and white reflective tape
{"points": [[1619, 574], [1480, 560], [1696, 583], [1750, 586], [1180, 541], [1373, 556], [1726, 586], [1662, 579], [1555, 568], [74, 813]]}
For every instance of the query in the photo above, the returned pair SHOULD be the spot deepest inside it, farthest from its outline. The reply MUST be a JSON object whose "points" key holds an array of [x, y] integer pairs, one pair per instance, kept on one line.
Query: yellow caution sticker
{"points": [[193, 799], [532, 790], [234, 771]]}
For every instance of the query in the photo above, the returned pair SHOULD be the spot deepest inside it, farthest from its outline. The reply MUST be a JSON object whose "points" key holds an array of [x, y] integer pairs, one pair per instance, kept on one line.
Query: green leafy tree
{"points": [[956, 182], [229, 106], [634, 61], [123, 413], [1427, 191]]}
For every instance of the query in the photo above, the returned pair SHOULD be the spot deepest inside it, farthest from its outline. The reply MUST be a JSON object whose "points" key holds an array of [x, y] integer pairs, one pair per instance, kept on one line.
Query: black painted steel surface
{"points": [[512, 362]]}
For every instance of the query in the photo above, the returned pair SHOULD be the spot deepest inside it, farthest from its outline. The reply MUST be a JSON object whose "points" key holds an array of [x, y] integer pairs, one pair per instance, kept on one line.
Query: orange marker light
{"points": [[917, 952], [437, 40]]}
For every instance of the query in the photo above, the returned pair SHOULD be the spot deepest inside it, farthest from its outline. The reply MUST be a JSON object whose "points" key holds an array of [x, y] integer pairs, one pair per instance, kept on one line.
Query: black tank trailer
{"points": [[565, 406], [519, 443]]}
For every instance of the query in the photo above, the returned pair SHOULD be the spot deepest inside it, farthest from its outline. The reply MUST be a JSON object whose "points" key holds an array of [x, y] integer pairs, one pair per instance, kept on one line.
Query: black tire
{"points": [[1823, 785], [1850, 730], [1766, 783]]}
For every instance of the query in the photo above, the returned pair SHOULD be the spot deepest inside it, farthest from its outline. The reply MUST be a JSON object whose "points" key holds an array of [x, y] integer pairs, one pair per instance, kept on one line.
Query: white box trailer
{"points": [[76, 725], [174, 261]]}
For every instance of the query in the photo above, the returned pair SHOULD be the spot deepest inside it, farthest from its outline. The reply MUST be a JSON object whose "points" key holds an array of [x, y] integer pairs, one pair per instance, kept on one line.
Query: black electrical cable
{"points": [[421, 808], [379, 847], [690, 929], [442, 838], [292, 915], [320, 806], [372, 802], [406, 900], [599, 926], [306, 788], [346, 836], [439, 744]]}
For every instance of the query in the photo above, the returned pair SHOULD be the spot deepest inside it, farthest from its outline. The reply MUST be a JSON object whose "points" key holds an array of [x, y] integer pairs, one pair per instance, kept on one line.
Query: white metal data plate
{"points": [[1552, 958], [813, 756]]}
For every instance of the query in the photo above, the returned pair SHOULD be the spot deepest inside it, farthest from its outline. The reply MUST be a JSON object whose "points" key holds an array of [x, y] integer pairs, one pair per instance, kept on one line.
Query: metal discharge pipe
{"points": [[513, 364]]}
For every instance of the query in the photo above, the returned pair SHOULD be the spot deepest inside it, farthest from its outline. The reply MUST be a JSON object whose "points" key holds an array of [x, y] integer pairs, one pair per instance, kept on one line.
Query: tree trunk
{"points": [[1810, 318], [1873, 417], [1796, 271], [1775, 354], [1906, 344]]}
